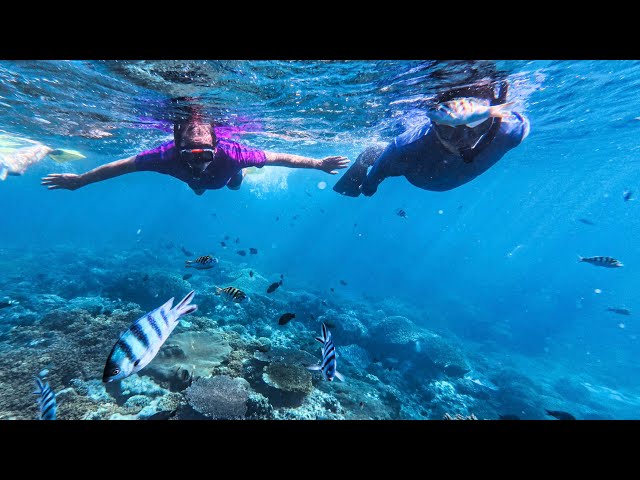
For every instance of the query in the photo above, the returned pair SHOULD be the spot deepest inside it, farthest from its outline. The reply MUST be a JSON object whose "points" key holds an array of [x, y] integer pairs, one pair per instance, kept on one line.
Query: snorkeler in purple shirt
{"points": [[198, 158], [443, 153]]}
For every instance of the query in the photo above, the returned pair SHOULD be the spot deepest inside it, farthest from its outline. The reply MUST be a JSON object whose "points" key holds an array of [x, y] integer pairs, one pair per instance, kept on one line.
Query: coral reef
{"points": [[219, 397]]}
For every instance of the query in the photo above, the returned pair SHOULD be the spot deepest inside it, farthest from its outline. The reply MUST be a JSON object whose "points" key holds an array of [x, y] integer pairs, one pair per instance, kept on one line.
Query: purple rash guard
{"points": [[229, 160], [423, 160]]}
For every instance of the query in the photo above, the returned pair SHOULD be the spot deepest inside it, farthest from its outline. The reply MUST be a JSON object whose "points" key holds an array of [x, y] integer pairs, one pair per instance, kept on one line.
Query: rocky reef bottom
{"points": [[234, 361]]}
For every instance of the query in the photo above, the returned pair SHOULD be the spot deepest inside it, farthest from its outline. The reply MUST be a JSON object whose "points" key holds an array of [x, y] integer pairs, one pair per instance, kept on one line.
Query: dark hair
{"points": [[495, 91], [180, 127]]}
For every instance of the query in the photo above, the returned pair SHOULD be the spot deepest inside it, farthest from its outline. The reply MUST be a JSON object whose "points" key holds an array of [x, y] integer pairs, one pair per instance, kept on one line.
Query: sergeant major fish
{"points": [[46, 399], [328, 365], [232, 293], [607, 262], [140, 343], [202, 263], [467, 111]]}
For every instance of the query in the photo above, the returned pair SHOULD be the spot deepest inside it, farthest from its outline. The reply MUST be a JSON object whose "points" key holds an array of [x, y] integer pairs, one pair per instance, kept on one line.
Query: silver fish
{"points": [[328, 365], [467, 111], [139, 344], [607, 262]]}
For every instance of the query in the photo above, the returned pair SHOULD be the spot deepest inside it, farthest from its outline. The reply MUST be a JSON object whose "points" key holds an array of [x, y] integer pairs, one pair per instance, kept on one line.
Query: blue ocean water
{"points": [[491, 267]]}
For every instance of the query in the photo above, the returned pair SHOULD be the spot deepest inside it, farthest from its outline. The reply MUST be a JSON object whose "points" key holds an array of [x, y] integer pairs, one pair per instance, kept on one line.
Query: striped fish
{"points": [[138, 345], [202, 263], [601, 261], [46, 400], [232, 293], [328, 365]]}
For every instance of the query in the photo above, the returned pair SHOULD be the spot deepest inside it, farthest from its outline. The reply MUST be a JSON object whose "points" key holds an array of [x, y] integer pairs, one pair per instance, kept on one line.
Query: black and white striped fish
{"points": [[138, 345], [232, 293], [46, 400], [328, 365], [202, 263], [601, 261]]}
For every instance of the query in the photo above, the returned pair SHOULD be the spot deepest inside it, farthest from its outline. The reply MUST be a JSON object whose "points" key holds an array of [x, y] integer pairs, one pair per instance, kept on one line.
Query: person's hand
{"points": [[330, 164], [65, 181]]}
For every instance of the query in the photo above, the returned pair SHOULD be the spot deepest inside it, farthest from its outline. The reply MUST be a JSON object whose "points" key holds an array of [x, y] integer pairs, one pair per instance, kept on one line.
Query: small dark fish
{"points": [[146, 277], [232, 293], [560, 415], [355, 225], [251, 273], [620, 311], [253, 251], [324, 302], [242, 253], [238, 240], [10, 303], [213, 215], [342, 282], [227, 237], [508, 417], [308, 194], [361, 404], [164, 415], [284, 319], [223, 245], [282, 276], [277, 218], [322, 210], [332, 289], [607, 262], [401, 213], [295, 217], [201, 263], [313, 317], [627, 195], [274, 286], [187, 276], [586, 221], [186, 252]]}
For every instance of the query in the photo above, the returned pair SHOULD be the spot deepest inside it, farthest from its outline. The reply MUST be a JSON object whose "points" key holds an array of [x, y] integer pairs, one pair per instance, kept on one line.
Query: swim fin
{"points": [[62, 156], [349, 183]]}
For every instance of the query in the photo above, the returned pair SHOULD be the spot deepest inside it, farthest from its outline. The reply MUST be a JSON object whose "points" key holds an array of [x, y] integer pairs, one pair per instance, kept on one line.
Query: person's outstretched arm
{"points": [[328, 164], [71, 181]]}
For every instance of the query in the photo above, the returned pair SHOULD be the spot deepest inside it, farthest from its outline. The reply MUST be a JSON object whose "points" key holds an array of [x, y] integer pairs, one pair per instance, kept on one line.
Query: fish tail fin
{"points": [[314, 367], [325, 331], [580, 258], [61, 156], [320, 339], [501, 111], [184, 307], [218, 291], [339, 376]]}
